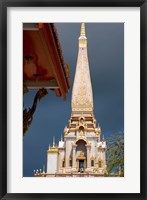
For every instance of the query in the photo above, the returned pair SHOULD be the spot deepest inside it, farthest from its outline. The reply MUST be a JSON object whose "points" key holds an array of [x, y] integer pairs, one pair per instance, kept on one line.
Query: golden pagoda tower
{"points": [[82, 97]]}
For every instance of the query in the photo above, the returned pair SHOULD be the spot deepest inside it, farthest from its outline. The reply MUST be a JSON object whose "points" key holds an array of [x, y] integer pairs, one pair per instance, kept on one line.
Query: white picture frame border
{"points": [[130, 16]]}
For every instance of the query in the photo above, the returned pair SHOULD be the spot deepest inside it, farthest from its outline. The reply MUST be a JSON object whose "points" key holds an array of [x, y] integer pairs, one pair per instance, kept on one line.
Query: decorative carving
{"points": [[92, 158], [81, 121], [81, 133], [82, 109], [82, 98], [66, 130], [53, 150], [81, 154], [28, 113], [98, 131]]}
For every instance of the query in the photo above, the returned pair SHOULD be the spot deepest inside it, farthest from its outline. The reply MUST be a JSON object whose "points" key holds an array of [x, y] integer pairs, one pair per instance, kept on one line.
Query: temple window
{"points": [[81, 130], [81, 121], [100, 163], [92, 163], [63, 163], [70, 163]]}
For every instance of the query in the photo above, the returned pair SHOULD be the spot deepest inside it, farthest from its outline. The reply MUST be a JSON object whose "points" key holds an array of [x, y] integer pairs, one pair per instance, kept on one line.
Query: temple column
{"points": [[103, 157], [88, 146], [66, 157], [96, 154], [74, 156]]}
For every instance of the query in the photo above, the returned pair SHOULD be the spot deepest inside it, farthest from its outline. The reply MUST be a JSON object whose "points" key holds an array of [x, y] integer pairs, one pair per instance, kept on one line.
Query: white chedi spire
{"points": [[82, 97], [54, 141], [61, 143], [61, 138]]}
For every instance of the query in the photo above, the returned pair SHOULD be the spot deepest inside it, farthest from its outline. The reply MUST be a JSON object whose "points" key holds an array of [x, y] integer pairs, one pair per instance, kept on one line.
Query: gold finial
{"points": [[99, 129], [83, 30]]}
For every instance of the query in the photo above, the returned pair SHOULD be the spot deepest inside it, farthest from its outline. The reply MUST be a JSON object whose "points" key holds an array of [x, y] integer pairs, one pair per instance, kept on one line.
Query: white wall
{"points": [[52, 160]]}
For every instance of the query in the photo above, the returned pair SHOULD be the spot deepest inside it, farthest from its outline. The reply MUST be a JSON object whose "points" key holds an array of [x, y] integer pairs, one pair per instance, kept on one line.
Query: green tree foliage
{"points": [[115, 154]]}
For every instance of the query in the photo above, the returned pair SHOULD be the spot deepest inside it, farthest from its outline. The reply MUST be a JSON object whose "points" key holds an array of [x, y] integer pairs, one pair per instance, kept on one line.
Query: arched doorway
{"points": [[81, 155]]}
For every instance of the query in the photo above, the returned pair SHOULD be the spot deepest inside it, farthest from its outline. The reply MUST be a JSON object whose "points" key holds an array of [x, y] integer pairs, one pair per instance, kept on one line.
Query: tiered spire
{"points": [[82, 97], [83, 33]]}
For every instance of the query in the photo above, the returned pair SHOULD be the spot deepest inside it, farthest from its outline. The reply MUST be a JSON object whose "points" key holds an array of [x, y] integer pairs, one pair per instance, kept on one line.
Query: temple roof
{"points": [[43, 61]]}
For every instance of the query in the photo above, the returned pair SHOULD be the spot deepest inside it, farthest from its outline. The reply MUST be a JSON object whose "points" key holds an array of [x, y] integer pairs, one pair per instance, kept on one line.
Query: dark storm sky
{"points": [[106, 61]]}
